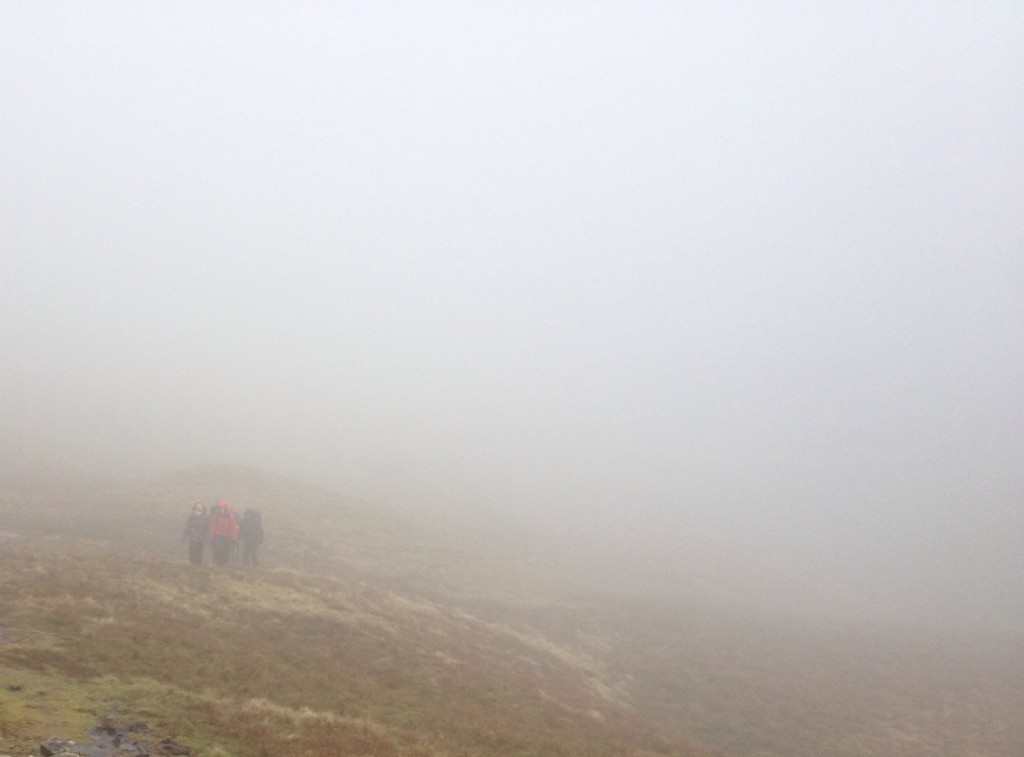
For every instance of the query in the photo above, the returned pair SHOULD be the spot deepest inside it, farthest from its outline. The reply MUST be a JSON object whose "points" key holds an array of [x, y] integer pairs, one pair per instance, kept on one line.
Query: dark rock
{"points": [[109, 739], [55, 745]]}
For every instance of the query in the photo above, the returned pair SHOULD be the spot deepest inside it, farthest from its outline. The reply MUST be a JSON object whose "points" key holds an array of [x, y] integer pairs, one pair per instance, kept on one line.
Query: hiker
{"points": [[250, 533], [197, 532], [223, 532]]}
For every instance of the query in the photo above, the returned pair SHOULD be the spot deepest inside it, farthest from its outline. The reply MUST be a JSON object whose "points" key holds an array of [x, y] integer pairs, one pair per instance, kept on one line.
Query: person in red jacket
{"points": [[223, 532]]}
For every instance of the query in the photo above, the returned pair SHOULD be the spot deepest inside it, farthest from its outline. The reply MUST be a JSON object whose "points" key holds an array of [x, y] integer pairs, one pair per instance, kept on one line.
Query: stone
{"points": [[54, 745]]}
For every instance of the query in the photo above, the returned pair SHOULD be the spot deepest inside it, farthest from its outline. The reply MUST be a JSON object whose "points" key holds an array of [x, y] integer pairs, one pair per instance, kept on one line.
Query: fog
{"points": [[649, 274]]}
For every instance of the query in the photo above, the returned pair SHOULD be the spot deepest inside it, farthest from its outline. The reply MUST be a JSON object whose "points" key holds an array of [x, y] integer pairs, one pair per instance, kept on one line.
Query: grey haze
{"points": [[693, 281]]}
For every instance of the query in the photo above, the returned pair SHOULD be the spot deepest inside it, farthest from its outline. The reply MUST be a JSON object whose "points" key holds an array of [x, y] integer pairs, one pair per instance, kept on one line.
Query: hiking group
{"points": [[222, 530]]}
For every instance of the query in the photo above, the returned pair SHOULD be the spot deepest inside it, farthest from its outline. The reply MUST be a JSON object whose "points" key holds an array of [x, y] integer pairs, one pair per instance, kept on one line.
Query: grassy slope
{"points": [[757, 686], [318, 653], [283, 662], [396, 634]]}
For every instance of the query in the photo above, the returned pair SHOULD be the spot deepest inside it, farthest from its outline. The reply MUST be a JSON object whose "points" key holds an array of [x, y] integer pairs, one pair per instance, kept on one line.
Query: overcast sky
{"points": [[751, 268]]}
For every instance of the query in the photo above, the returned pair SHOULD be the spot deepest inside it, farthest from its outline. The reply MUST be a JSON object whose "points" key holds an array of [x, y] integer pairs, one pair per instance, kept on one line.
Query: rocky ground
{"points": [[112, 738]]}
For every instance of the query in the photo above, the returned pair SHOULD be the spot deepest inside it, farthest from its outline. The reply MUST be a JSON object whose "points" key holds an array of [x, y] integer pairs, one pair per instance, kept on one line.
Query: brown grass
{"points": [[396, 635], [283, 662]]}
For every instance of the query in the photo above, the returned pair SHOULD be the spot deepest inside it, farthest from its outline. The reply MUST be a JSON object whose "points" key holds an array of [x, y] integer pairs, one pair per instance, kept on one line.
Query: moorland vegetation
{"points": [[377, 631]]}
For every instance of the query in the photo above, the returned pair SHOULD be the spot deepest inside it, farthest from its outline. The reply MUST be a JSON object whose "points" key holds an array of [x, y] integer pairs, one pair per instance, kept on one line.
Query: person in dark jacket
{"points": [[197, 532], [223, 532], [250, 533]]}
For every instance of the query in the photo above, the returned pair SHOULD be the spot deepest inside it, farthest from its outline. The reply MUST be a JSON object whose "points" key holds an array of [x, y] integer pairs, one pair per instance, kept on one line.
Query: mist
{"points": [[691, 281]]}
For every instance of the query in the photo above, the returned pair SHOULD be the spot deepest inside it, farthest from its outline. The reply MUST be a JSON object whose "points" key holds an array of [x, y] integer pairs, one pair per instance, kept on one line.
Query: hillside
{"points": [[327, 650], [376, 631], [282, 662]]}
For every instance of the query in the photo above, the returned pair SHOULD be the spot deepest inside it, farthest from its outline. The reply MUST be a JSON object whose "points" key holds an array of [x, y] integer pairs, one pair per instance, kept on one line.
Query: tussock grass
{"points": [[390, 634], [282, 662]]}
